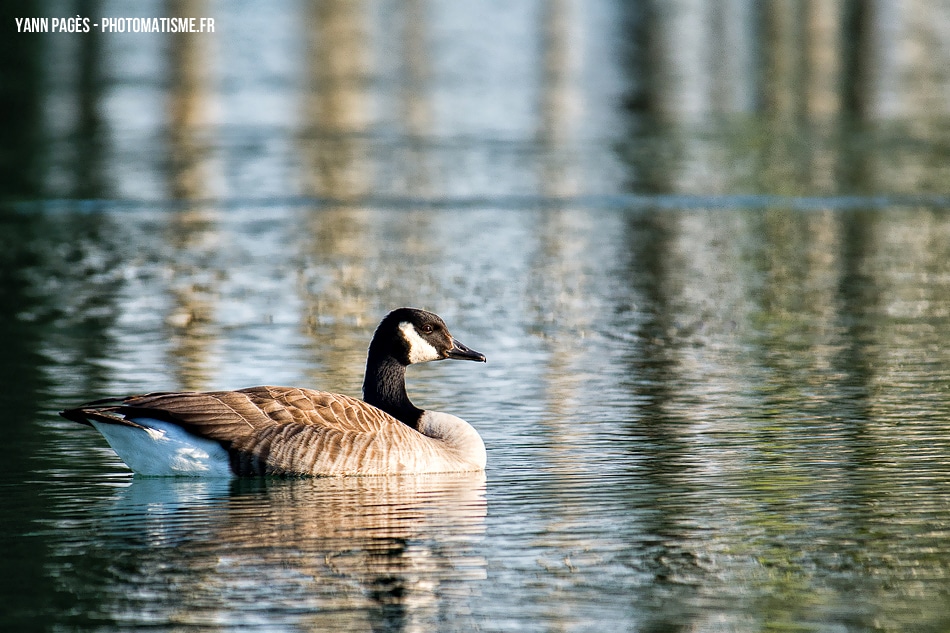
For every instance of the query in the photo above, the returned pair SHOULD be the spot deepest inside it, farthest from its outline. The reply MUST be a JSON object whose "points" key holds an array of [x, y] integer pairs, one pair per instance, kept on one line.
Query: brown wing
{"points": [[284, 430]]}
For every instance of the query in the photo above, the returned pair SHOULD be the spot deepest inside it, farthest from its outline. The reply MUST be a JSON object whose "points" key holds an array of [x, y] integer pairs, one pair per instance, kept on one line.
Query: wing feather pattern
{"points": [[288, 430]]}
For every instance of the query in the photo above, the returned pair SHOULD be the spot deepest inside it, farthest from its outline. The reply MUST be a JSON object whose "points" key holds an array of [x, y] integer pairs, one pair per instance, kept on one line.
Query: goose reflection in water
{"points": [[350, 553]]}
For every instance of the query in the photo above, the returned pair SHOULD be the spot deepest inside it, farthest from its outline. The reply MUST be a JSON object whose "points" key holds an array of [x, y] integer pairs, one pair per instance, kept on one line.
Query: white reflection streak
{"points": [[560, 97], [337, 100], [683, 72], [704, 58]]}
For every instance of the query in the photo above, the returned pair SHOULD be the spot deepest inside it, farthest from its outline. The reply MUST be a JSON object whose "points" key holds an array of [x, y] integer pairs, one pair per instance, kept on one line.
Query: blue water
{"points": [[706, 418], [709, 274]]}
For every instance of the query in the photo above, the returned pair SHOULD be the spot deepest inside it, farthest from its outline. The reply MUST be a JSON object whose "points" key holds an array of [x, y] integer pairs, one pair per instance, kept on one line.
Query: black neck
{"points": [[384, 387]]}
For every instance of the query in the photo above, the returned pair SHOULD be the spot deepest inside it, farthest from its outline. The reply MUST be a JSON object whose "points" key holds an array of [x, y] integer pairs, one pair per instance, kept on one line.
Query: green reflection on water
{"points": [[737, 410], [697, 418]]}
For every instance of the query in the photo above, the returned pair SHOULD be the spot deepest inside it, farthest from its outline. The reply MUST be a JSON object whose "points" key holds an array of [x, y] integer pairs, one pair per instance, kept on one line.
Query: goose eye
{"points": [[426, 329]]}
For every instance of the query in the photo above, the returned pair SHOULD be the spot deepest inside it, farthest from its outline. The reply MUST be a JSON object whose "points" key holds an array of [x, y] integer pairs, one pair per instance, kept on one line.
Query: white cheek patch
{"points": [[420, 350]]}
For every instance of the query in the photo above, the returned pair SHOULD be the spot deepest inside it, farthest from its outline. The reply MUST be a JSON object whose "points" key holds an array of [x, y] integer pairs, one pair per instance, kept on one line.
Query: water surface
{"points": [[698, 418], [709, 268]]}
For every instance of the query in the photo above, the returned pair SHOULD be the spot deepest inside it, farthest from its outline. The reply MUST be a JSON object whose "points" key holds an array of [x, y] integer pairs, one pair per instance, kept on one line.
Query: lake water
{"points": [[729, 419], [718, 384]]}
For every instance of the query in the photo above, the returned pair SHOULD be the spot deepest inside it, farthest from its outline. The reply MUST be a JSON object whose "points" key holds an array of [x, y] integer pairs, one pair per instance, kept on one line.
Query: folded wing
{"points": [[280, 430]]}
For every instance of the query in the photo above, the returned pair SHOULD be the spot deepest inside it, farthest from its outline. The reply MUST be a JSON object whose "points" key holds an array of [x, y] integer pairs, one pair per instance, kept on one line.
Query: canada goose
{"points": [[293, 431]]}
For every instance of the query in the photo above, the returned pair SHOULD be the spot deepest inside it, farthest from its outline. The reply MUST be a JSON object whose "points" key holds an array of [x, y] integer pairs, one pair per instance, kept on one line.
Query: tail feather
{"points": [[86, 415]]}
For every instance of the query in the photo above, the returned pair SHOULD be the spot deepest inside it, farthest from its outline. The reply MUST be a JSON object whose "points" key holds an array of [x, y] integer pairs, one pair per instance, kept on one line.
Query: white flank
{"points": [[165, 449], [420, 350]]}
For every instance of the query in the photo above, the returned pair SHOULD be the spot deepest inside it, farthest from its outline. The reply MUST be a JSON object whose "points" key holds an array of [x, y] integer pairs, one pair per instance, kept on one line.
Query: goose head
{"points": [[406, 336], [411, 335]]}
